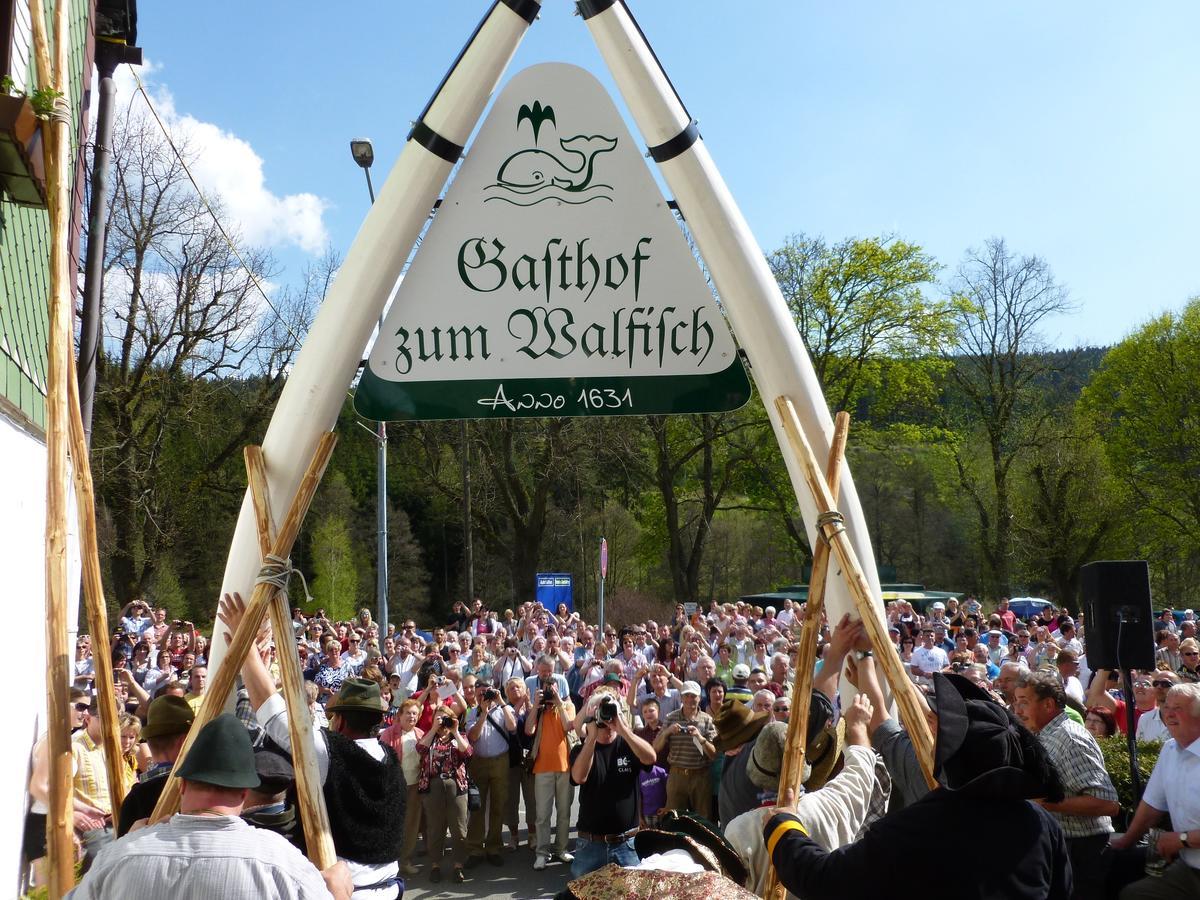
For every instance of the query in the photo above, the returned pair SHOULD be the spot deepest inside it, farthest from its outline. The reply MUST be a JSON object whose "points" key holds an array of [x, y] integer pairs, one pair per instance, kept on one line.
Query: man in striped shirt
{"points": [[691, 735], [1091, 800]]}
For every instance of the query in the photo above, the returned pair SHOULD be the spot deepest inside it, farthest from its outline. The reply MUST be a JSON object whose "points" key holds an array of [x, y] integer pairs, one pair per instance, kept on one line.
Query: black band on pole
{"points": [[589, 8], [526, 9], [676, 145], [435, 143]]}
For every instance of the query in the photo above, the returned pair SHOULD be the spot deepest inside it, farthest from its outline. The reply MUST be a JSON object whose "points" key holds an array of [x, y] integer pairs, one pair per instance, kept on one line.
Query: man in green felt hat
{"points": [[206, 849], [362, 782]]}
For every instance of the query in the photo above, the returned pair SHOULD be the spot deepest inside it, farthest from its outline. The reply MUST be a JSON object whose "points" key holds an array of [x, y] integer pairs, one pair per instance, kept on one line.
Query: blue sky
{"points": [[1069, 129]]}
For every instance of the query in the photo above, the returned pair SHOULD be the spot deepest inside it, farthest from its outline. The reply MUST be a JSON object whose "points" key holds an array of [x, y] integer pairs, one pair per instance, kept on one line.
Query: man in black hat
{"points": [[167, 724], [989, 761], [364, 788], [267, 805], [207, 850]]}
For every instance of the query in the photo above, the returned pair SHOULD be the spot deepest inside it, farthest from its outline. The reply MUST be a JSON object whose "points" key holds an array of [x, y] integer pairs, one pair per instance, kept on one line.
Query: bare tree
{"points": [[998, 361], [194, 353]]}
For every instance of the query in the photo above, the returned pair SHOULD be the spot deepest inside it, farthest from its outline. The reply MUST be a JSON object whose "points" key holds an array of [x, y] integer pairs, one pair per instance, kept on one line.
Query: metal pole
{"points": [[468, 543], [381, 521], [1135, 776], [381, 570], [364, 155], [600, 600], [108, 57]]}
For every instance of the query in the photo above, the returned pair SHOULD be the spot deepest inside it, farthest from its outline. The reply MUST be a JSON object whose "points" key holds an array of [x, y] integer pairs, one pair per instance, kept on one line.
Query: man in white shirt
{"points": [[405, 664], [927, 658], [1150, 726], [1172, 789], [1068, 674], [207, 849], [1067, 640]]}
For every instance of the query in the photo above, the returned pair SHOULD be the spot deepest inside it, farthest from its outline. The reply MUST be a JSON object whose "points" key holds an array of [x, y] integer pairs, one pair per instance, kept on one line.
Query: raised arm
{"points": [[840, 643], [1096, 693]]}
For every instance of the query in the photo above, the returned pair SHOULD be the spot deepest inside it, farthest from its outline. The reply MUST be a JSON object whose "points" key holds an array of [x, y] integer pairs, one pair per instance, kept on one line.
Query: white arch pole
{"points": [[325, 366], [779, 362]]}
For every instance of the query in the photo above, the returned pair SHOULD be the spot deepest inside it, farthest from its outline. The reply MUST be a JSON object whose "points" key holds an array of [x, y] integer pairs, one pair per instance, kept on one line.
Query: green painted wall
{"points": [[24, 260]]}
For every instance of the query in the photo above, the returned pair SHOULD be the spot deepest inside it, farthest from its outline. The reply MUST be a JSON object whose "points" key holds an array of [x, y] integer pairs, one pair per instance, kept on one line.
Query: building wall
{"points": [[24, 286]]}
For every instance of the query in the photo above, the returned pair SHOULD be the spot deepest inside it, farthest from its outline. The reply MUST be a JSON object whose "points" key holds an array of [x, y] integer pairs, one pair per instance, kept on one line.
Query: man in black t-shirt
{"points": [[606, 767]]}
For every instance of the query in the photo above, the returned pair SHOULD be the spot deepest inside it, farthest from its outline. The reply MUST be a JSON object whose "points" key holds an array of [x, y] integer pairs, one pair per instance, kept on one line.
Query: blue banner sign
{"points": [[554, 588]]}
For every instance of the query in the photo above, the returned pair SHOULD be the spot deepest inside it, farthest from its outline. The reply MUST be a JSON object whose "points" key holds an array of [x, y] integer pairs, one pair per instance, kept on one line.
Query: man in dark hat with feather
{"points": [[988, 762]]}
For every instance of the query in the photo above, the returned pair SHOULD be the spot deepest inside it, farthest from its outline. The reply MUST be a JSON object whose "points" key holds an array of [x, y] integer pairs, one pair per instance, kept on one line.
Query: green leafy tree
{"points": [[1143, 402], [695, 468], [338, 582], [874, 337], [1069, 509], [408, 579], [861, 306]]}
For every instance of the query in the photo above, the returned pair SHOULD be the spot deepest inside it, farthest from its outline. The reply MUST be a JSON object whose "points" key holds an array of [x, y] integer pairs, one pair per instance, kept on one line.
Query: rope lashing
{"points": [[61, 111], [833, 519], [277, 571]]}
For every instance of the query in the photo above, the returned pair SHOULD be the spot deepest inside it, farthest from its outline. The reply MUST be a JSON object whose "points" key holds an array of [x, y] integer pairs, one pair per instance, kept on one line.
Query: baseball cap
{"points": [[741, 670], [938, 605], [690, 687]]}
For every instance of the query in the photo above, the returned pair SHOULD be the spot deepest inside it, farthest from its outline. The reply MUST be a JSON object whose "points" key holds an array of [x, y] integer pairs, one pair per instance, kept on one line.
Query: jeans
{"points": [[593, 855], [93, 842]]}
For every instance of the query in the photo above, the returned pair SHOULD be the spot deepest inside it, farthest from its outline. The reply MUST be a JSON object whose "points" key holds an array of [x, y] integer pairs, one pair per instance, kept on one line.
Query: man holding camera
{"points": [[489, 724], [606, 767], [549, 727], [691, 734]]}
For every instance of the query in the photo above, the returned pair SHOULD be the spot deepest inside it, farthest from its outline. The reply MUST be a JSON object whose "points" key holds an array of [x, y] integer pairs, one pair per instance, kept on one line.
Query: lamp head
{"points": [[362, 151]]}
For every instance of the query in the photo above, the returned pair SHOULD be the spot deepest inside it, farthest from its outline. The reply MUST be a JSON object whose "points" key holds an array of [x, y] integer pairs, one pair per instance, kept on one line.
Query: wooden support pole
{"points": [[93, 596], [256, 610], [52, 77], [829, 523], [314, 816], [806, 658]]}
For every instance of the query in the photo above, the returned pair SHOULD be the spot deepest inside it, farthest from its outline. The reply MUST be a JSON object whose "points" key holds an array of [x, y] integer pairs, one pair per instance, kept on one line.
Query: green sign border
{"points": [[395, 401]]}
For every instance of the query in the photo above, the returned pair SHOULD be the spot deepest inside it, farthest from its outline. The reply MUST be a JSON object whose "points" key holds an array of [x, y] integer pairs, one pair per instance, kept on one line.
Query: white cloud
{"points": [[228, 169]]}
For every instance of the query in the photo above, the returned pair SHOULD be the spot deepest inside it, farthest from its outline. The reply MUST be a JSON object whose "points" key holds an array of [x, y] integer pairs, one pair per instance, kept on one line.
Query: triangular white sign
{"points": [[554, 280]]}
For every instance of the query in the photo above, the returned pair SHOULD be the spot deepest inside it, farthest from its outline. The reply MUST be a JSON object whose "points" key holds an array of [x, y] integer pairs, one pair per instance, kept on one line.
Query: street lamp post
{"points": [[364, 155]]}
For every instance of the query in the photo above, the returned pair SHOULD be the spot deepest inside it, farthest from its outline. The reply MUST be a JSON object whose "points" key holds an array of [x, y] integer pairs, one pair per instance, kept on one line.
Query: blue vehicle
{"points": [[1028, 607]]}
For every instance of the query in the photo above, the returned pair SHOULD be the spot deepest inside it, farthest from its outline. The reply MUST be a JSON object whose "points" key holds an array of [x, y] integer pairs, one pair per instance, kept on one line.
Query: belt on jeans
{"points": [[608, 838], [691, 768]]}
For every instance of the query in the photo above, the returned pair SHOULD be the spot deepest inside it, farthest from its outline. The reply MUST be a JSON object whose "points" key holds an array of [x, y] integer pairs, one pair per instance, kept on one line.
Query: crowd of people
{"points": [[436, 745]]}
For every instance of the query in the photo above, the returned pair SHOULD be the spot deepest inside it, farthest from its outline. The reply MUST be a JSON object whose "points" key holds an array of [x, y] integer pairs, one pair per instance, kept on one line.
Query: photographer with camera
{"points": [[606, 768], [489, 727], [690, 734], [442, 785], [551, 728], [510, 663]]}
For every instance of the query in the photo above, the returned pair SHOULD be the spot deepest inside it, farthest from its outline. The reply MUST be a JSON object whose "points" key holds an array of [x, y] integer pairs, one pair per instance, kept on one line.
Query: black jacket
{"points": [[989, 847]]}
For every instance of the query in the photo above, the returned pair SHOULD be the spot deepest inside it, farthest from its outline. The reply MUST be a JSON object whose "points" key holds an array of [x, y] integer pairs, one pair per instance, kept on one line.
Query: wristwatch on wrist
{"points": [[1183, 839], [862, 654]]}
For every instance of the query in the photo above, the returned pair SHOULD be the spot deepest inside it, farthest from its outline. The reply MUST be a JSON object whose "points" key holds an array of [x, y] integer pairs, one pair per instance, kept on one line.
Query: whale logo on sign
{"points": [[535, 175], [546, 303]]}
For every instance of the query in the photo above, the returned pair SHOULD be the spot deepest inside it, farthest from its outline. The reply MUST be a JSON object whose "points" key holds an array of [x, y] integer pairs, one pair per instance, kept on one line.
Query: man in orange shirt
{"points": [[549, 727]]}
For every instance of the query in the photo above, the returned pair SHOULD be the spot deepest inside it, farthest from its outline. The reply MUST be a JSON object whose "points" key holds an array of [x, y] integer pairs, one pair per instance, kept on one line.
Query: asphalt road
{"points": [[515, 879]]}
